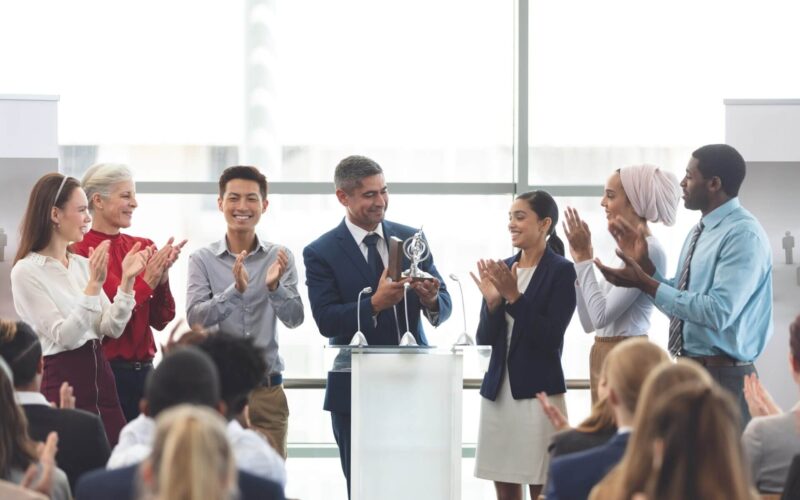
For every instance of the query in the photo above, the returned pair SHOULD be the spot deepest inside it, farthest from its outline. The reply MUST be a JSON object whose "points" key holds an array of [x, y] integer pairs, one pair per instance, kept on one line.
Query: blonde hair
{"points": [[191, 458], [102, 177], [627, 367], [630, 475]]}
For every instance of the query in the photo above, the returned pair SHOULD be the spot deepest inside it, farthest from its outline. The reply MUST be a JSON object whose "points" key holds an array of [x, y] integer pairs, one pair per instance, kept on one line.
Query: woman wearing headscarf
{"points": [[638, 195]]}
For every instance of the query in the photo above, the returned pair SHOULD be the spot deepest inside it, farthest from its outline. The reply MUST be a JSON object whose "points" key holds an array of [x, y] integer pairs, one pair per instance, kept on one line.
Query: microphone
{"points": [[464, 338], [359, 339], [408, 337]]}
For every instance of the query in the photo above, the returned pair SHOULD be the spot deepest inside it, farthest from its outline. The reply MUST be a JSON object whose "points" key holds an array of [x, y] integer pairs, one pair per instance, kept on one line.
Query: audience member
{"points": [[631, 474], [61, 296], [772, 438], [82, 442], [636, 194], [111, 193], [573, 476], [528, 301]]}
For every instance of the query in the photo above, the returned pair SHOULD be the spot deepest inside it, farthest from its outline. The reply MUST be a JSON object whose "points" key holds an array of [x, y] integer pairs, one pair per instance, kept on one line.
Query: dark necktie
{"points": [[675, 344], [373, 257]]}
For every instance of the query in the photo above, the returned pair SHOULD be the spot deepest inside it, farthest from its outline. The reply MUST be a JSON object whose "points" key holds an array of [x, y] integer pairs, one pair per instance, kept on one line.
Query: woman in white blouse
{"points": [[61, 296], [636, 194]]}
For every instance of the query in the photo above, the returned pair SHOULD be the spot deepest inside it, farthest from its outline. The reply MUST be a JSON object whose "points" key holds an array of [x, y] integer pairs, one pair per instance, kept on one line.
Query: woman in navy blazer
{"points": [[528, 302]]}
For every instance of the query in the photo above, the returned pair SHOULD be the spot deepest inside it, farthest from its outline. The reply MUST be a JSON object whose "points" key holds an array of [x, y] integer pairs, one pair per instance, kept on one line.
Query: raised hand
{"points": [[240, 275], [632, 241], [276, 270], [134, 263], [98, 267], [173, 256], [759, 401], [157, 265], [553, 414], [67, 396], [578, 235], [388, 293], [47, 460], [504, 279], [629, 276], [428, 293], [485, 285]]}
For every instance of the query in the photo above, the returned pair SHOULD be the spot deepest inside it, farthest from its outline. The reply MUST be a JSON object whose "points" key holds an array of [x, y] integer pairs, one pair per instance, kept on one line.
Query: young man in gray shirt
{"points": [[242, 285]]}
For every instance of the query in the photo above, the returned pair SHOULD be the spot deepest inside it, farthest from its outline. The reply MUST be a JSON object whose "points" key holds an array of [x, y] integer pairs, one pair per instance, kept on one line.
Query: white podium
{"points": [[405, 420]]}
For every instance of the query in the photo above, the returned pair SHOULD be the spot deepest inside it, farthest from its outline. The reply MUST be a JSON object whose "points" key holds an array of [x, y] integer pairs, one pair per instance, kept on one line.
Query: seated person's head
{"points": [[241, 368], [601, 419], [17, 451], [191, 456], [21, 349], [627, 366], [185, 375], [633, 470], [696, 445]]}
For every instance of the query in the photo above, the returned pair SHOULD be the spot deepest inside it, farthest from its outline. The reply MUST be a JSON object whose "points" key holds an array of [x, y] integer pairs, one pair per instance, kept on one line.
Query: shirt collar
{"points": [[30, 398], [624, 429], [715, 217], [220, 247], [359, 233], [41, 260]]}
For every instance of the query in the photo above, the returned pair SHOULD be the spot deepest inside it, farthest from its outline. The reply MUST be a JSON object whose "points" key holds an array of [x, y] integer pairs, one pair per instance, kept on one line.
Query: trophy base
{"points": [[418, 276]]}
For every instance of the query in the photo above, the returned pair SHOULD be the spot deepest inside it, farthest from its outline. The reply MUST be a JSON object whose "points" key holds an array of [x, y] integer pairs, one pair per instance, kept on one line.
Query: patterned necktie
{"points": [[676, 324], [373, 257]]}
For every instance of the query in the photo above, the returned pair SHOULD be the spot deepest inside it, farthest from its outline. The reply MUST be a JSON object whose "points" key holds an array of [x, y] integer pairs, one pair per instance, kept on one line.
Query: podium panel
{"points": [[406, 423]]}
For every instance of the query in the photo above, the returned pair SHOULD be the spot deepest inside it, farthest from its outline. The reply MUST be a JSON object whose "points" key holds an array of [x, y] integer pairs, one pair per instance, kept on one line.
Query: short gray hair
{"points": [[352, 169], [100, 178]]}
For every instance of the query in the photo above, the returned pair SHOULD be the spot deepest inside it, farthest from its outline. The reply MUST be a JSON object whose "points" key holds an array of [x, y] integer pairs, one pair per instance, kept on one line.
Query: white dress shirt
{"points": [[51, 298], [252, 452], [359, 234], [615, 311], [28, 398]]}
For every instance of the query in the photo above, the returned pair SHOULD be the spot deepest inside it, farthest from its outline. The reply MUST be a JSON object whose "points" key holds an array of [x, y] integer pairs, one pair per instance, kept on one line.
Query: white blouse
{"points": [[615, 311], [50, 298]]}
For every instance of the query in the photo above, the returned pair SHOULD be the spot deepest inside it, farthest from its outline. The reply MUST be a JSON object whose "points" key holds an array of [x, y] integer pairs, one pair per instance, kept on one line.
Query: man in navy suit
{"points": [[354, 255]]}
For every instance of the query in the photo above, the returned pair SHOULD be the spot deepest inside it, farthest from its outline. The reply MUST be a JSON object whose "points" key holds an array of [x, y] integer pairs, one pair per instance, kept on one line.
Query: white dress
{"points": [[513, 435]]}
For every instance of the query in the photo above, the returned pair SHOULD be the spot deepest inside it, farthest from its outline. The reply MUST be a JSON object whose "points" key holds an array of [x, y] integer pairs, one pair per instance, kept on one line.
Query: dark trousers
{"points": [[341, 432], [732, 379], [130, 387]]}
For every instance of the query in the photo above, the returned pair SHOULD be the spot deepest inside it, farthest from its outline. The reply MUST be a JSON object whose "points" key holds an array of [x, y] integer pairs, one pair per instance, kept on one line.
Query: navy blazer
{"points": [[541, 316], [573, 476], [121, 484], [336, 271]]}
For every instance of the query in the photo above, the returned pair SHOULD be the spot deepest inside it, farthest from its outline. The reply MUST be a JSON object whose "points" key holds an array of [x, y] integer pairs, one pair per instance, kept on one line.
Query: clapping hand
{"points": [[553, 414], [759, 401], [134, 263], [632, 241], [276, 270], [47, 459], [240, 275], [428, 293], [98, 267], [578, 236]]}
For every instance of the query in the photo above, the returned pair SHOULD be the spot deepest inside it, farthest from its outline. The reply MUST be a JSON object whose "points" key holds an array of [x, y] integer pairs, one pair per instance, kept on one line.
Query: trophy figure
{"points": [[417, 251]]}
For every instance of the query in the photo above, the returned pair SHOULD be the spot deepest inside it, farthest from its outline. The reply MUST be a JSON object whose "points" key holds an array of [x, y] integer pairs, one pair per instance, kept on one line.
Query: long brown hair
{"points": [[37, 226], [630, 475], [16, 448], [627, 367], [697, 426]]}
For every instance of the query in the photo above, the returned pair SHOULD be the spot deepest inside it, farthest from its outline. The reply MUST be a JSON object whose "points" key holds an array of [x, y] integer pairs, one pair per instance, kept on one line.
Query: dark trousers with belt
{"points": [[731, 377], [130, 378], [341, 432]]}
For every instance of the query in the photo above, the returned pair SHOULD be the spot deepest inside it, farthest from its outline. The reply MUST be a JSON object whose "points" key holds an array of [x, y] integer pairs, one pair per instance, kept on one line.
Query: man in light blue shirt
{"points": [[720, 301]]}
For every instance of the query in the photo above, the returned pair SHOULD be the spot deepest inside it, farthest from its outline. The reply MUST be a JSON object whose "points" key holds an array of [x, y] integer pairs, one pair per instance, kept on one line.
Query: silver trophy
{"points": [[417, 251]]}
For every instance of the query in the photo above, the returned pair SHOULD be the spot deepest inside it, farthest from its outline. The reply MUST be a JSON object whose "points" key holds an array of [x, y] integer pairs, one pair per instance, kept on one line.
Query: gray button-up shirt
{"points": [[213, 301]]}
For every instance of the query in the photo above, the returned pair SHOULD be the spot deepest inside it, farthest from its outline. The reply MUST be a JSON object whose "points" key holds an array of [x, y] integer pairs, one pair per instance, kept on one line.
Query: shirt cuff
{"points": [[665, 298], [230, 294], [91, 302], [280, 292]]}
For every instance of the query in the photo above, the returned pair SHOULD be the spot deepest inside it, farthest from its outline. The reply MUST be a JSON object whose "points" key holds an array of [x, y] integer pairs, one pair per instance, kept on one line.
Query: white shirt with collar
{"points": [[28, 398], [359, 234], [51, 298], [252, 452]]}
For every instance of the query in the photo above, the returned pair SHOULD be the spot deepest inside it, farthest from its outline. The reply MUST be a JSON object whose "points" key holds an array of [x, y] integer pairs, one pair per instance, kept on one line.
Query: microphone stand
{"points": [[408, 338], [464, 339], [359, 339]]}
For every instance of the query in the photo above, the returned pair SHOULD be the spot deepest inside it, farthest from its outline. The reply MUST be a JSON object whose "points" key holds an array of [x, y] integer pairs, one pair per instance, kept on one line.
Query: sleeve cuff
{"points": [[280, 292], [666, 297], [230, 294], [92, 302]]}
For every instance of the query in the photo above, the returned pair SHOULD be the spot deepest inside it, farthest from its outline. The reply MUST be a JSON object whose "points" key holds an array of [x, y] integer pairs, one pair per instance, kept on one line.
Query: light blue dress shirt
{"points": [[727, 308]]}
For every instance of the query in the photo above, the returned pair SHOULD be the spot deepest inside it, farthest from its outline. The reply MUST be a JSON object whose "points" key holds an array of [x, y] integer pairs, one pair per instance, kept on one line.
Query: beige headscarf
{"points": [[653, 192]]}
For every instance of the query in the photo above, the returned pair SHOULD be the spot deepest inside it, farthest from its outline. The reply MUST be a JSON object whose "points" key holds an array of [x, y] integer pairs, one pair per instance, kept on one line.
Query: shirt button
{"points": [[246, 334]]}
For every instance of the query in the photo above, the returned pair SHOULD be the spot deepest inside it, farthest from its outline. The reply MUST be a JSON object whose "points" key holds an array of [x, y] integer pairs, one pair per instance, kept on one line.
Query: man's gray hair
{"points": [[100, 178], [352, 169]]}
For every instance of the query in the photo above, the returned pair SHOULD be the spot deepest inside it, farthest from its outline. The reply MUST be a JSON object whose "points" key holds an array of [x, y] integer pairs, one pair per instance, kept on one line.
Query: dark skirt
{"points": [[87, 370]]}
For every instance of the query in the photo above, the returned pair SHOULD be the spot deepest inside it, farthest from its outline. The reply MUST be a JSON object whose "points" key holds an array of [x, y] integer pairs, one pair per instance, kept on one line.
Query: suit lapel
{"points": [[350, 248], [539, 274]]}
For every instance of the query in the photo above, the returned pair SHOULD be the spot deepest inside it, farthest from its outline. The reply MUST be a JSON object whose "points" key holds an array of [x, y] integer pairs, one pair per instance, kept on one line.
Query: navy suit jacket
{"points": [[573, 476], [336, 271], [541, 316], [121, 484]]}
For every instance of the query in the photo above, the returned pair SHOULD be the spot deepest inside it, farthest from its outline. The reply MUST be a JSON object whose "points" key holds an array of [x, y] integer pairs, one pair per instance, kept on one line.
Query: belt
{"points": [[272, 380], [618, 338], [132, 365], [718, 360]]}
